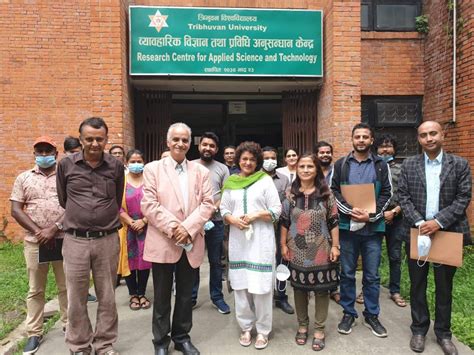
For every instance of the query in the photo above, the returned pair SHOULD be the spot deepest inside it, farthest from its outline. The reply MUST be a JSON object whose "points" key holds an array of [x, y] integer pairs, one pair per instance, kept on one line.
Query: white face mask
{"points": [[269, 164], [282, 274], [424, 246]]}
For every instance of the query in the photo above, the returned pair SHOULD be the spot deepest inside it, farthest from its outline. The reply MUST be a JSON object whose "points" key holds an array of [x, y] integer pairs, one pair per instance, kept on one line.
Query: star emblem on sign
{"points": [[158, 20]]}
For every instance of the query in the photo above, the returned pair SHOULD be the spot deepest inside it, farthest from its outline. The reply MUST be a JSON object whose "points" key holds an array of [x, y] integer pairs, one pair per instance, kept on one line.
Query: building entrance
{"points": [[280, 119], [234, 118], [254, 118]]}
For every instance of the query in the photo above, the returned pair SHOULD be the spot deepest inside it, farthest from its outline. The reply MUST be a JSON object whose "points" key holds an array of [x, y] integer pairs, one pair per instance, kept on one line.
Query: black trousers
{"points": [[183, 310], [136, 282], [420, 315]]}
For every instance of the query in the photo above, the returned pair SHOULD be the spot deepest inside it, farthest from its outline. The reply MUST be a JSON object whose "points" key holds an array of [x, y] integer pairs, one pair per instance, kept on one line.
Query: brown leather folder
{"points": [[360, 196], [446, 248]]}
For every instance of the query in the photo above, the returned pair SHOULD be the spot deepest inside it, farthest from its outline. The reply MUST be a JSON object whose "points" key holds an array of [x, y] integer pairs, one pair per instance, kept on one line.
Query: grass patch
{"points": [[50, 322], [14, 281], [462, 321]]}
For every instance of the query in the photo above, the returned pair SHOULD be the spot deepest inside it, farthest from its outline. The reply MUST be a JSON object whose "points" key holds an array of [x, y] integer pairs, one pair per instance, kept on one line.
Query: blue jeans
{"points": [[370, 247], [394, 251], [214, 239]]}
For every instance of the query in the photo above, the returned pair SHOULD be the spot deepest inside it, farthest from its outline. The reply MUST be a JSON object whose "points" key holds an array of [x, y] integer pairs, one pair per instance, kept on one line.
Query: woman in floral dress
{"points": [[310, 241], [135, 230]]}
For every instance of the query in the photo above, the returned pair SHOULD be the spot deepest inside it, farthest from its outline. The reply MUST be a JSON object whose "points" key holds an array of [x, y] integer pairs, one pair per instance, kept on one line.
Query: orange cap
{"points": [[45, 139]]}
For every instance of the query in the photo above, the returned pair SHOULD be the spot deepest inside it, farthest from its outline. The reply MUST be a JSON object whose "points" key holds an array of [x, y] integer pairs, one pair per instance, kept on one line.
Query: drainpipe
{"points": [[455, 21]]}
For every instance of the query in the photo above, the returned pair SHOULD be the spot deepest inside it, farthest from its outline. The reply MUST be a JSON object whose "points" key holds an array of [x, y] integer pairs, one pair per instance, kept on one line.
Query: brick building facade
{"points": [[63, 62]]}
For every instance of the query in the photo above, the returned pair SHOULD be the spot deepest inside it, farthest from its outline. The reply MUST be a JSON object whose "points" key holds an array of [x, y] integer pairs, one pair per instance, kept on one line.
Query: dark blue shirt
{"points": [[233, 169], [362, 173]]}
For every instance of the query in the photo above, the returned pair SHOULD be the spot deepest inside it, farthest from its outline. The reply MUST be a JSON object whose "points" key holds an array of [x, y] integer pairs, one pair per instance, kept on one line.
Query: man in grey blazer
{"points": [[434, 193]]}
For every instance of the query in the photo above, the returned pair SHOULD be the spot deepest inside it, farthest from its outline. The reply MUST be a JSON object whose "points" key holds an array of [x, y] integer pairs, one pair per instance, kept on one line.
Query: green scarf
{"points": [[237, 182]]}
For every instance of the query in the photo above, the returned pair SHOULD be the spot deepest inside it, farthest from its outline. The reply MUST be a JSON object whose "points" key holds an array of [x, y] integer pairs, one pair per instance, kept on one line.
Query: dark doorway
{"points": [[261, 122]]}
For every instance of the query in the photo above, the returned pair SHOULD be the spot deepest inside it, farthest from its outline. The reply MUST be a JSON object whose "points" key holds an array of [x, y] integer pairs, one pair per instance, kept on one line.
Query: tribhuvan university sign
{"points": [[225, 42]]}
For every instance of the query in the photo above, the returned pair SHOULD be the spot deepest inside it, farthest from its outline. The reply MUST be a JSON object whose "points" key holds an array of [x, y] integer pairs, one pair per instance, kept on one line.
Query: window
{"points": [[389, 15], [397, 115]]}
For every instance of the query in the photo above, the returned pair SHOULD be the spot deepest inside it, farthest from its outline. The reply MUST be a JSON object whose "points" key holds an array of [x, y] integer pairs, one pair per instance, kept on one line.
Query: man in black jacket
{"points": [[434, 192], [361, 232]]}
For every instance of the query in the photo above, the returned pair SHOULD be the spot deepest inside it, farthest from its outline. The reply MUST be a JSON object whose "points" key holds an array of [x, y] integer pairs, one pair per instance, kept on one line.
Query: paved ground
{"points": [[217, 334]]}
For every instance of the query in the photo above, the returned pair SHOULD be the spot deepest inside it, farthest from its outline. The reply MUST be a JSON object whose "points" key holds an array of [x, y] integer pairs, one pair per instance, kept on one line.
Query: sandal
{"points": [[398, 300], [261, 342], [360, 298], [134, 303], [301, 337], [318, 344], [144, 302], [335, 296], [245, 338]]}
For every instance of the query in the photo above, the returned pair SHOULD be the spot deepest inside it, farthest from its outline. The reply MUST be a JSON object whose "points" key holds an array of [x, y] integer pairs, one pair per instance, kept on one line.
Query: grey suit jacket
{"points": [[454, 197]]}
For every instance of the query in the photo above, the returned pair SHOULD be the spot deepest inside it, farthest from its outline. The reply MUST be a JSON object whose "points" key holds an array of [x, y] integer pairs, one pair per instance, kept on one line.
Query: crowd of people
{"points": [[113, 215]]}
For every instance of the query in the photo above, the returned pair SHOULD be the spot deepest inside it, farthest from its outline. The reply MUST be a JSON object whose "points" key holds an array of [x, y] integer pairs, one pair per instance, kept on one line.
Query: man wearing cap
{"points": [[35, 206], [90, 188]]}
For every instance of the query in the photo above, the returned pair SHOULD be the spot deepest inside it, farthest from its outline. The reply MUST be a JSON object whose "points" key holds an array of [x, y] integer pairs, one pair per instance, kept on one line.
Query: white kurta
{"points": [[252, 262]]}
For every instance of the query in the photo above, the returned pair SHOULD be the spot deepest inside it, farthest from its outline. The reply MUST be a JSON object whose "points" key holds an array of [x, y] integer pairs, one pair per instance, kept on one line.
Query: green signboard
{"points": [[225, 42]]}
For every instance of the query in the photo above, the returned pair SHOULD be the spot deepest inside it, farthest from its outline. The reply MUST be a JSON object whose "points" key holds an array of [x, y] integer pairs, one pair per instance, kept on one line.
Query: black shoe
{"points": [[346, 324], [194, 303], [187, 348], [32, 345], [417, 343], [373, 323], [284, 306], [161, 351], [448, 347]]}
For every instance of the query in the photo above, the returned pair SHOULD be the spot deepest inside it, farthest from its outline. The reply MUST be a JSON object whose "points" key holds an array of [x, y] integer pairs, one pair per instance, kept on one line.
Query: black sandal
{"points": [[301, 337], [144, 302], [318, 344], [134, 303]]}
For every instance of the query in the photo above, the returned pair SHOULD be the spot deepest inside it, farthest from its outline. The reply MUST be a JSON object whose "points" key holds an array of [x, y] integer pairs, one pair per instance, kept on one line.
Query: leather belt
{"points": [[90, 234]]}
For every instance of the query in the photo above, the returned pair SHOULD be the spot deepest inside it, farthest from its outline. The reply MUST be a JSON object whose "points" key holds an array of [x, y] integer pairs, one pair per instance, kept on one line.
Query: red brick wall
{"points": [[282, 4], [60, 64], [437, 103], [339, 99], [392, 63]]}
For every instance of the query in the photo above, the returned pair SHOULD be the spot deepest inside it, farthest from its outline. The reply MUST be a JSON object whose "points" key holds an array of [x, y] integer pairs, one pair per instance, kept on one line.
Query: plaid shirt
{"points": [[40, 198], [454, 196]]}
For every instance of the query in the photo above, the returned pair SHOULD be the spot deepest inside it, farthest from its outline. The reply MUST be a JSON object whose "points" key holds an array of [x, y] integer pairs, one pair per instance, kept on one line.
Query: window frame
{"points": [[369, 113], [372, 4]]}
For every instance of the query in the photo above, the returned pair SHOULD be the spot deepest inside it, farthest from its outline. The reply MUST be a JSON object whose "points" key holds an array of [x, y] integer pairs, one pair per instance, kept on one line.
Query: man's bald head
{"points": [[431, 138], [430, 124]]}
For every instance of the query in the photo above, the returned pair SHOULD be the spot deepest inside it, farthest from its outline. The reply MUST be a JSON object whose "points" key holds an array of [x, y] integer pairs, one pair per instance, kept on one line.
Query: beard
{"points": [[207, 158], [325, 163], [362, 150]]}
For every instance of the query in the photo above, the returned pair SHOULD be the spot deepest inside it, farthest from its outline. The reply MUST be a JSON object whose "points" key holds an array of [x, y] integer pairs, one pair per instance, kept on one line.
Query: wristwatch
{"points": [[59, 226]]}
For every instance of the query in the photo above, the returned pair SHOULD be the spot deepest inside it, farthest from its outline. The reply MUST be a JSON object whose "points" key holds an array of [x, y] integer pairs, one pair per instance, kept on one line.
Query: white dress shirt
{"points": [[183, 180]]}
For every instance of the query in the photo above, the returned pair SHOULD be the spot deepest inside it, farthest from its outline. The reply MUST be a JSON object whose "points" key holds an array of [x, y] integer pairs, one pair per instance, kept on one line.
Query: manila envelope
{"points": [[446, 248], [360, 196]]}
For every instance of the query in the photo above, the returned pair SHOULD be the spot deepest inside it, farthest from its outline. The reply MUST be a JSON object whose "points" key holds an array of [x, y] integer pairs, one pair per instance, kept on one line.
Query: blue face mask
{"points": [[386, 158], [136, 168], [45, 162]]}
